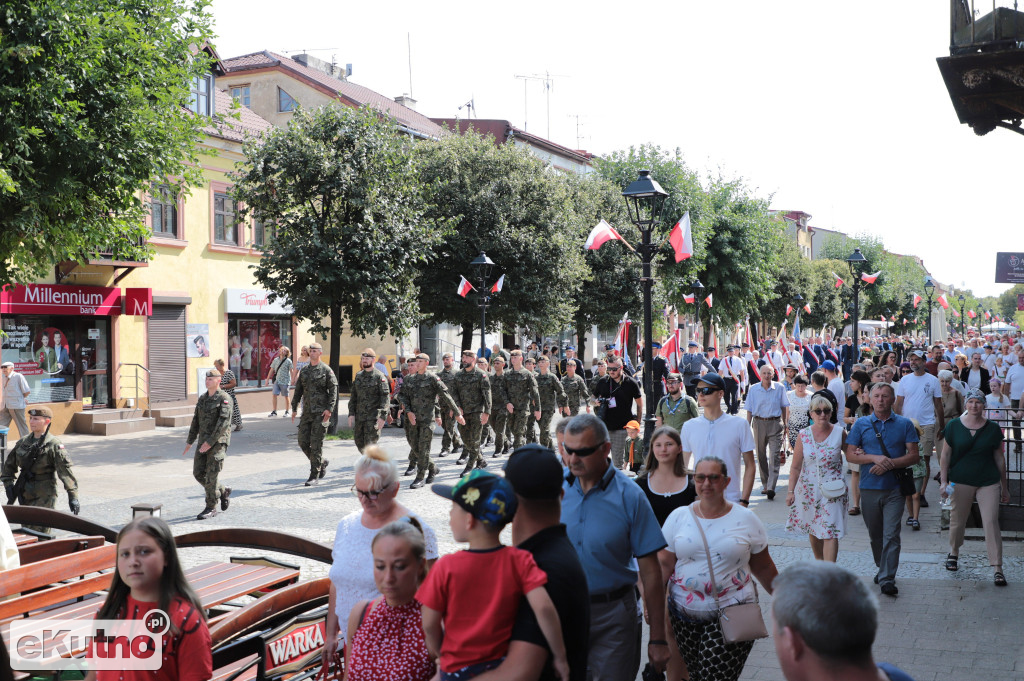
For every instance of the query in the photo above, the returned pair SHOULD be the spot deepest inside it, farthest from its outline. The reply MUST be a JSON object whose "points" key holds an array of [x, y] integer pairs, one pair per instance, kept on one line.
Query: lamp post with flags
{"points": [[698, 295], [481, 267], [856, 261], [929, 287], [963, 303]]}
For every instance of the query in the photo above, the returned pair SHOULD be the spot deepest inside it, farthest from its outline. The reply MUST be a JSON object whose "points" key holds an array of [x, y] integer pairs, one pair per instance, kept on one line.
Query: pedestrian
{"points": [[577, 394], [228, 381], [732, 372], [799, 409], [451, 441], [280, 374], [634, 449], [472, 395], [486, 432], [523, 398], [882, 443], [1013, 387], [617, 537], [15, 392], [368, 402], [824, 622], [530, 364], [919, 397], [768, 414], [552, 397], [570, 358], [211, 424], [318, 386], [301, 363], [149, 577], [420, 395], [835, 381], [676, 407], [499, 408], [615, 396], [690, 365], [42, 459], [600, 371]]}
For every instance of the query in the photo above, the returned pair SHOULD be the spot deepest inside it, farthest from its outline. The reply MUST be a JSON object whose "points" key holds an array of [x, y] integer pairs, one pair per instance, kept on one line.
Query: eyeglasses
{"points": [[371, 496], [821, 412], [707, 391], [582, 451], [714, 477]]}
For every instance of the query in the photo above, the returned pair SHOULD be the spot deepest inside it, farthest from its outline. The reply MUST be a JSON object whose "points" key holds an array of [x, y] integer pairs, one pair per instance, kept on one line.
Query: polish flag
{"points": [[807, 308], [904, 321], [870, 278], [498, 284], [708, 299], [917, 300], [671, 346], [621, 337], [971, 314], [846, 315], [839, 280], [789, 308], [987, 315], [688, 298], [601, 234], [881, 318], [943, 302], [955, 312], [464, 286], [681, 238]]}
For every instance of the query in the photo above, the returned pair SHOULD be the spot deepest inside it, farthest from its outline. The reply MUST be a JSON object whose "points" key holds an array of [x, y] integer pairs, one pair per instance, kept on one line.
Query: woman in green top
{"points": [[972, 458]]}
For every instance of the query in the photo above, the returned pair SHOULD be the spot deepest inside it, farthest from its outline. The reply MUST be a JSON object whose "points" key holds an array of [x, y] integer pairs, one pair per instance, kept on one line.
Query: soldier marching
{"points": [[319, 386], [211, 424]]}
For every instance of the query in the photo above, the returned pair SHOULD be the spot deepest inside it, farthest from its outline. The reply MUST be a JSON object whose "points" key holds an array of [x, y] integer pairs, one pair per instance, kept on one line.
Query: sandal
{"points": [[951, 562], [999, 579], [854, 510]]}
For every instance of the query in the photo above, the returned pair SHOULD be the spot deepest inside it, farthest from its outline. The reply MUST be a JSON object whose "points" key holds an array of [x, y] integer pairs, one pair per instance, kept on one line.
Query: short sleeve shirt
{"points": [[896, 431], [727, 437], [919, 393], [623, 394]]}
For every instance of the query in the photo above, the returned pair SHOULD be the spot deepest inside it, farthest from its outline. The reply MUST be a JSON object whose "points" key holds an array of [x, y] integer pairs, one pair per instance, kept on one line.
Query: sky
{"points": [[835, 109]]}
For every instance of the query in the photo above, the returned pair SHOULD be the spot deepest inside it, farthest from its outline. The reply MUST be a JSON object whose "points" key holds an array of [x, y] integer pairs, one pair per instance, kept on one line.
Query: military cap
{"points": [[692, 344], [422, 355], [41, 411], [316, 346], [498, 360], [213, 373], [674, 376]]}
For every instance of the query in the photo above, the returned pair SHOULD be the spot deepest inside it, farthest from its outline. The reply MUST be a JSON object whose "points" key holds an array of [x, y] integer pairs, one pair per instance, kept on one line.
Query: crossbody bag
{"points": [[904, 476]]}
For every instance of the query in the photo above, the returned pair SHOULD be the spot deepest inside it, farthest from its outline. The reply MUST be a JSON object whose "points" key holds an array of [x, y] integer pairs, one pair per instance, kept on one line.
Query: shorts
{"points": [[472, 671], [281, 389], [927, 444], [918, 484]]}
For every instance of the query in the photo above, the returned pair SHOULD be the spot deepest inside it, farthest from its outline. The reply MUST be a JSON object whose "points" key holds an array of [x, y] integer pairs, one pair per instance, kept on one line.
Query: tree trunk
{"points": [[335, 359], [467, 336]]}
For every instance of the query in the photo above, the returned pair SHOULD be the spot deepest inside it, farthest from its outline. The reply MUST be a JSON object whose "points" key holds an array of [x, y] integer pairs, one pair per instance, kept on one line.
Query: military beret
{"points": [[422, 355], [498, 360], [41, 411], [316, 346], [674, 377], [213, 373]]}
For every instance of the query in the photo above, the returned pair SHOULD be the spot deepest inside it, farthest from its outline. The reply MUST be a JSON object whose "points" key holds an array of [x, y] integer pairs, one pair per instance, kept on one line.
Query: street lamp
{"points": [[645, 200], [481, 267], [929, 287], [856, 261], [963, 302], [698, 295]]}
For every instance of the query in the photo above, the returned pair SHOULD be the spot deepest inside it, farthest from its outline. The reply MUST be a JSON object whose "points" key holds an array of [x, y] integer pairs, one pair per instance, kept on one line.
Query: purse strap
{"points": [[881, 442], [707, 553]]}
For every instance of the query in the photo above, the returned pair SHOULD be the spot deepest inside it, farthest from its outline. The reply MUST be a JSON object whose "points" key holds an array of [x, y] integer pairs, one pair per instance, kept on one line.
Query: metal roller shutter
{"points": [[167, 378]]}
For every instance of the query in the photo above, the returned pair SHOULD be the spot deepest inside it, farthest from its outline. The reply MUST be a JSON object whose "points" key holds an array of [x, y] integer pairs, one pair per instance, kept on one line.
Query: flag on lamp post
{"points": [[870, 278], [917, 300], [600, 235], [464, 286], [846, 315], [498, 284], [688, 298], [943, 302], [681, 238], [807, 308], [789, 308], [708, 299], [839, 280]]}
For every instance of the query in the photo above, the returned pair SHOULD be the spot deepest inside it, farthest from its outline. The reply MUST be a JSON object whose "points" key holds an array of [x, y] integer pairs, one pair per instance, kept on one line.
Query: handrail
{"points": [[136, 383]]}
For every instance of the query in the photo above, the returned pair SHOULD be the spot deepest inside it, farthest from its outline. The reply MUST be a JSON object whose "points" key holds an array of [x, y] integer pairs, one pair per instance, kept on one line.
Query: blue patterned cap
{"points": [[486, 496]]}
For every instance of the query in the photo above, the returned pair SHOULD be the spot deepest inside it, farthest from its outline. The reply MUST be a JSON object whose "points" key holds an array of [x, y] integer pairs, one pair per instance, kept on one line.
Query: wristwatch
{"points": [[745, 502]]}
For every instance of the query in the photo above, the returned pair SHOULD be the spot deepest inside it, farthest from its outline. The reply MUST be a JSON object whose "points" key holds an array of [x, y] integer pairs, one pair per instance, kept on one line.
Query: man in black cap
{"points": [[536, 476]]}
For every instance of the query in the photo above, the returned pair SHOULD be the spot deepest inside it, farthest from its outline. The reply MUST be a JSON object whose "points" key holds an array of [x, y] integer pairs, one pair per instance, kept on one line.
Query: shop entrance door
{"points": [[93, 336]]}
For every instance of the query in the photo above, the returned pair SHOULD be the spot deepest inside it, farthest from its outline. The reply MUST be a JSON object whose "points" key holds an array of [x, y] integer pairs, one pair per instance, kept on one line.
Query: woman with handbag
{"points": [[818, 495], [715, 549]]}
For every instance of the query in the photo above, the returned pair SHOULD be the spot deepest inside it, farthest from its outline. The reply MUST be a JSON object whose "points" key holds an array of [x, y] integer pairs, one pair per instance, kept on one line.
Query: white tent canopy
{"points": [[997, 326]]}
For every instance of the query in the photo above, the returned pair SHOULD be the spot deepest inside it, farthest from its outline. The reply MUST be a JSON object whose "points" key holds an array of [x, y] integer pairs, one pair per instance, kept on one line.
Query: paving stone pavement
{"points": [[942, 626]]}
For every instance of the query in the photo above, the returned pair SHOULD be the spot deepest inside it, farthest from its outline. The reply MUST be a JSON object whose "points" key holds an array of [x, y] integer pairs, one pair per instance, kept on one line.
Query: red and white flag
{"points": [[681, 238], [807, 308], [789, 308], [464, 286], [600, 235], [846, 315], [917, 300], [839, 280], [688, 298], [498, 284], [955, 312], [904, 321], [708, 299], [621, 336], [987, 315], [943, 302], [870, 278], [881, 318], [671, 347], [971, 314]]}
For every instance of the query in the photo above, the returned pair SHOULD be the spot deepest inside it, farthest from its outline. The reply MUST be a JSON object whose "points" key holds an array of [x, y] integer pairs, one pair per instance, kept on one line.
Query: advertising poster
{"points": [[42, 354], [197, 340], [270, 341], [248, 339]]}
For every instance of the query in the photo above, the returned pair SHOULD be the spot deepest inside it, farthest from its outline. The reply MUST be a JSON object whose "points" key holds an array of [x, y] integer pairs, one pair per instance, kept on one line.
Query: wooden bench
{"points": [[47, 583], [33, 553]]}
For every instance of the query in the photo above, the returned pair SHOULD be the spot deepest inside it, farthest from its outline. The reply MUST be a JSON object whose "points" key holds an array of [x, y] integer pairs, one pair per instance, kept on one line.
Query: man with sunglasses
{"points": [[715, 433], [919, 396], [369, 401], [615, 395]]}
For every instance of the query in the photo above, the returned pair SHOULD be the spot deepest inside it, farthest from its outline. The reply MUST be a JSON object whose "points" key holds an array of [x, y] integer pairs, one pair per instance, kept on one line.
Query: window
{"points": [[285, 102], [225, 227], [199, 101], [262, 232], [240, 93], [163, 207], [252, 346]]}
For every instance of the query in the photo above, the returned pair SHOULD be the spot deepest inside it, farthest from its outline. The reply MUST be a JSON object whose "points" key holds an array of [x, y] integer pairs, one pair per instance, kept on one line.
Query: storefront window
{"points": [[41, 348], [252, 346]]}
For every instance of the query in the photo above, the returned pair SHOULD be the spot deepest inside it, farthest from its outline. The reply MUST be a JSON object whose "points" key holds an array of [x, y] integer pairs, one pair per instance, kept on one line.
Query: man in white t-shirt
{"points": [[723, 435], [835, 381], [919, 396], [1013, 387]]}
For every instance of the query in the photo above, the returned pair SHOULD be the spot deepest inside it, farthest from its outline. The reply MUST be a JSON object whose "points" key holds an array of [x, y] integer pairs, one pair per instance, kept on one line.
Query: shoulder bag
{"points": [[903, 476], [833, 489], [741, 622]]}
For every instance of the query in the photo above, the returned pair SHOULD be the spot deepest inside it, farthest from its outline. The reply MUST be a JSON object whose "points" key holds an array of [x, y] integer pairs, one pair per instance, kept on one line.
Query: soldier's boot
{"points": [[314, 475], [462, 459], [465, 471], [323, 469], [411, 469], [224, 501], [490, 441], [207, 512], [418, 482], [432, 473], [443, 452], [481, 462], [456, 448]]}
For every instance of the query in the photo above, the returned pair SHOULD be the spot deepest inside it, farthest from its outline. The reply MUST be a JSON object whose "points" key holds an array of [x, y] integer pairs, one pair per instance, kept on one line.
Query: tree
{"points": [[500, 200], [351, 224], [94, 96]]}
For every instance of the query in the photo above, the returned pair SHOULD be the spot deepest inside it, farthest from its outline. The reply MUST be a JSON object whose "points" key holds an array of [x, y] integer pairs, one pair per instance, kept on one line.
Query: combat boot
{"points": [[411, 469], [466, 470], [481, 462], [323, 468], [224, 501], [444, 452], [418, 482], [462, 459], [314, 475], [431, 474], [208, 512]]}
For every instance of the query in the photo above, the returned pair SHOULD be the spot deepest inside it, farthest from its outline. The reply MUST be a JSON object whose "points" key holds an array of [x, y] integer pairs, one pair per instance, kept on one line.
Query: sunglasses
{"points": [[707, 391], [582, 451], [821, 412], [614, 368], [371, 495], [713, 477]]}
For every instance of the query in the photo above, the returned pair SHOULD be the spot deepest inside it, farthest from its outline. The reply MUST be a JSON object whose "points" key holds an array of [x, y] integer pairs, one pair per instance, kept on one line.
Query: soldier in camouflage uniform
{"points": [[211, 423], [420, 394], [552, 395], [599, 373], [531, 424], [577, 394], [486, 433], [523, 398], [369, 402], [52, 462], [318, 384], [499, 412], [450, 440], [472, 394]]}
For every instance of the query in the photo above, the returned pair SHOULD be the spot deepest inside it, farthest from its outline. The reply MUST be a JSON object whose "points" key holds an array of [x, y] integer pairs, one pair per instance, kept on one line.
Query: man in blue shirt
{"points": [[613, 529], [768, 415], [881, 443]]}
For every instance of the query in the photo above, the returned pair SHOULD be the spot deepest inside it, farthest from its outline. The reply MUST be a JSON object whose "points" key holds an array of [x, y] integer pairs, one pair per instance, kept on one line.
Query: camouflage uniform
{"points": [[450, 441], [472, 394], [577, 394], [369, 401], [552, 396], [211, 424], [419, 396], [499, 412], [319, 386], [53, 462], [521, 388]]}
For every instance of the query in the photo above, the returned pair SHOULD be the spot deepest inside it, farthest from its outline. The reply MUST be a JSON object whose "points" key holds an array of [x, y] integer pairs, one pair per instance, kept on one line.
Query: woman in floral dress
{"points": [[799, 404], [818, 459]]}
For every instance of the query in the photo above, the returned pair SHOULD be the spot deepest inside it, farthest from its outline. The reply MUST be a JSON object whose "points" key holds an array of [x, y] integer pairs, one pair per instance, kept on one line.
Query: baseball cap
{"points": [[534, 472], [918, 353], [634, 425], [487, 497], [712, 379], [828, 364]]}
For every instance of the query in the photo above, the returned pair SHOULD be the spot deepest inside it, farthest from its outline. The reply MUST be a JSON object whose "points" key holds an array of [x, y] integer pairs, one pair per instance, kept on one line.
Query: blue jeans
{"points": [[470, 672]]}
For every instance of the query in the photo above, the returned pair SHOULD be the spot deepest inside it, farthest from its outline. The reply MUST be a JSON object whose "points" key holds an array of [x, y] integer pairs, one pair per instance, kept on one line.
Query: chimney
{"points": [[406, 101], [320, 65]]}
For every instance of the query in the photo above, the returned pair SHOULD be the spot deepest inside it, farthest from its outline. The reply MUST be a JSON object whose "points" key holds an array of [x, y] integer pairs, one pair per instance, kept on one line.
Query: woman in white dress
{"points": [[817, 507], [799, 404]]}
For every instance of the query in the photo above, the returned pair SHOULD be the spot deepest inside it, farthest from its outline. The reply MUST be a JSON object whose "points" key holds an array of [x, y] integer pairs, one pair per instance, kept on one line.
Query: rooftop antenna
{"points": [[470, 107], [579, 137], [408, 41], [306, 50], [548, 79]]}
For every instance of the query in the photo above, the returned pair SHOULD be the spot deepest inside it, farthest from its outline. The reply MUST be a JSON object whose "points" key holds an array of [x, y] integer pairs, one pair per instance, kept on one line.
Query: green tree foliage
{"points": [[500, 200], [93, 94], [352, 228]]}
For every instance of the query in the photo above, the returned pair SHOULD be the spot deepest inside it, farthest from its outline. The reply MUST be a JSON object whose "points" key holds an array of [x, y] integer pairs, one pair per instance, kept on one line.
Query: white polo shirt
{"points": [[1015, 377], [918, 393], [727, 437]]}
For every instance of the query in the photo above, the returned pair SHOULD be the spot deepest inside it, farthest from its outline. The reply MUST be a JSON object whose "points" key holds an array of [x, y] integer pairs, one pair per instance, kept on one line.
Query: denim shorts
{"points": [[471, 672], [281, 389]]}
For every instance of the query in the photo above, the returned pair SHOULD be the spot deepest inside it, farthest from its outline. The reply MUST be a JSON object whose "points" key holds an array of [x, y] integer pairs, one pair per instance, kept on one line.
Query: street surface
{"points": [[942, 626]]}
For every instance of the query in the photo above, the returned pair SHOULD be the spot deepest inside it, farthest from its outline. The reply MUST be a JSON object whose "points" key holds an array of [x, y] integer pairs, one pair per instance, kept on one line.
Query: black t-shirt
{"points": [[624, 393], [664, 505], [567, 586], [852, 402]]}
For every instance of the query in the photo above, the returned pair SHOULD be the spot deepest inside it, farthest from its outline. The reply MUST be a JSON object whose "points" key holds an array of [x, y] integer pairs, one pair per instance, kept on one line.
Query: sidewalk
{"points": [[942, 626]]}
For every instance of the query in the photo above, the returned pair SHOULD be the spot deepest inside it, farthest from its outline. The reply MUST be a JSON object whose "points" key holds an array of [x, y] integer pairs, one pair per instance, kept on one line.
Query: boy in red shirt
{"points": [[477, 592]]}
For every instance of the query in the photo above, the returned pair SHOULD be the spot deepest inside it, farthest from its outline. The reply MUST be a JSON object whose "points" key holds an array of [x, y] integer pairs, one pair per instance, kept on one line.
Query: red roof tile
{"points": [[228, 127]]}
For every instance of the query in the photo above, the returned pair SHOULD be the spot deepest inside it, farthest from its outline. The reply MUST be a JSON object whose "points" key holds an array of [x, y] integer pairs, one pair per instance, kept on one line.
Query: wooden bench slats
{"points": [[33, 553], [38, 600], [52, 570]]}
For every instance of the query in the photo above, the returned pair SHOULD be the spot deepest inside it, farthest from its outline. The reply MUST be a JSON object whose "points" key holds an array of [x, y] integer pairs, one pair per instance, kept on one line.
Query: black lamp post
{"points": [[481, 267], [645, 200], [963, 302], [929, 287], [856, 261], [698, 295]]}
